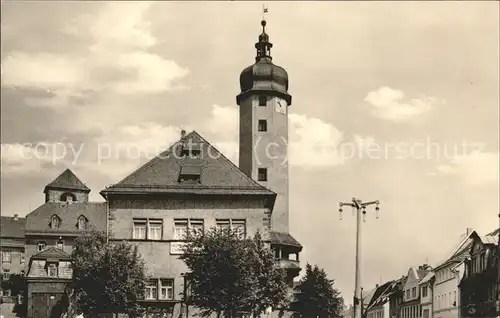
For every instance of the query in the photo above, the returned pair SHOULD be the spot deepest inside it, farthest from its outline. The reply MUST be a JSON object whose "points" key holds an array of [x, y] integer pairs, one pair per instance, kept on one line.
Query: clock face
{"points": [[280, 106]]}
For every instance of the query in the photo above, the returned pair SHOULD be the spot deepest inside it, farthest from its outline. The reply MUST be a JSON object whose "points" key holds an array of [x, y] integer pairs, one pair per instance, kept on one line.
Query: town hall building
{"points": [[191, 186]]}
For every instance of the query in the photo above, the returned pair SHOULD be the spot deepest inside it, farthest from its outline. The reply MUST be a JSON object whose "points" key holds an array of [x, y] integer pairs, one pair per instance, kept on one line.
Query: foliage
{"points": [[107, 277], [16, 283], [316, 295], [229, 275]]}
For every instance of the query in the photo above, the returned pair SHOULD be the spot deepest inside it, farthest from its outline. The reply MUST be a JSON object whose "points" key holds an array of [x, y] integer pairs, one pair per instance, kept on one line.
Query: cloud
{"points": [[390, 105], [118, 151], [117, 60], [479, 168]]}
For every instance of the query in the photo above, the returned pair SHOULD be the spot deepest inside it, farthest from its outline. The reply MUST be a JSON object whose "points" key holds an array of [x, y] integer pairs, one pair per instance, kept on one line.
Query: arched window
{"points": [[82, 222], [68, 197], [55, 222]]}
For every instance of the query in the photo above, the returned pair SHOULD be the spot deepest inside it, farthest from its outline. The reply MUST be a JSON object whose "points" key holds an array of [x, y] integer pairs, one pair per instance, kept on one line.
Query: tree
{"points": [[229, 275], [316, 295], [107, 277]]}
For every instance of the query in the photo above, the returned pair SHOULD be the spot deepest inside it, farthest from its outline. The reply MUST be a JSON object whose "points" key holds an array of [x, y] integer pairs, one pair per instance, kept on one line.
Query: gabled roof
{"points": [[51, 253], [459, 252], [427, 278], [38, 220], [12, 228], [491, 238], [67, 181], [161, 174], [380, 295]]}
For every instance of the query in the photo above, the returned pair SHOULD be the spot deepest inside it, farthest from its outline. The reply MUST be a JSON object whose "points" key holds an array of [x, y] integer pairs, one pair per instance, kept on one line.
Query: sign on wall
{"points": [[176, 248]]}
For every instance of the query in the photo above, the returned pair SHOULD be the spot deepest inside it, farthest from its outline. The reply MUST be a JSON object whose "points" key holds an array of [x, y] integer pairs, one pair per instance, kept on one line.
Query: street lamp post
{"points": [[360, 216]]}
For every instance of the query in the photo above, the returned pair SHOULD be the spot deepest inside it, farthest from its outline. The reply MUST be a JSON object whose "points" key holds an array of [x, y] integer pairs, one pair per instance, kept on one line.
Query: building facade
{"points": [[447, 278], [478, 287], [411, 306], [50, 232], [425, 287], [12, 247]]}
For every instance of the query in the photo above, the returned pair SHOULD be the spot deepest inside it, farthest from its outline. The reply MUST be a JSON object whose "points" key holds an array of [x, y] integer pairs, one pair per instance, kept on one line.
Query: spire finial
{"points": [[263, 46]]}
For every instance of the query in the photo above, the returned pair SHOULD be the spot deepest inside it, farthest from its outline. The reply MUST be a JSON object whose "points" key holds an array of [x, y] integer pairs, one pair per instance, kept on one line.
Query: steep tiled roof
{"points": [[422, 273], [38, 221], [218, 175], [427, 278], [12, 228], [459, 251], [67, 180], [283, 239], [52, 253], [380, 295], [367, 296]]}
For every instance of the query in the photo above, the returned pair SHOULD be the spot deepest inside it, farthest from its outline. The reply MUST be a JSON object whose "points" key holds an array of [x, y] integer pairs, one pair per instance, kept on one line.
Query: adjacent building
{"points": [[411, 306], [379, 304], [12, 247], [479, 287], [425, 287], [448, 275], [49, 234]]}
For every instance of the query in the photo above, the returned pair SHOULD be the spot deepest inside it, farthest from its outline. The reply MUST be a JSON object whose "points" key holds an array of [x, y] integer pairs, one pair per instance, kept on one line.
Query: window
{"points": [[6, 274], [155, 229], [54, 222], [184, 226], [52, 270], [223, 224], [180, 229], [262, 174], [151, 289], [68, 197], [151, 229], [22, 259], [41, 246], [236, 225], [424, 291], [239, 227], [262, 101], [6, 256], [196, 226], [262, 125], [167, 289], [190, 174], [407, 294], [82, 222], [60, 244], [414, 292], [7, 293], [139, 229]]}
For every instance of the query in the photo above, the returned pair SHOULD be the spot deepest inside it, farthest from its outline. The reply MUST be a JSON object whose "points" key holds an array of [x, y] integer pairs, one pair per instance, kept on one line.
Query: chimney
{"points": [[469, 231], [376, 285], [16, 217], [183, 134]]}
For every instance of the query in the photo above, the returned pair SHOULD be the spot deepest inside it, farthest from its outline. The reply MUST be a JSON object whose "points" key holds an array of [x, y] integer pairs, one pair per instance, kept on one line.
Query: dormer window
{"points": [[190, 174], [191, 150], [82, 222], [68, 197], [52, 269], [55, 222]]}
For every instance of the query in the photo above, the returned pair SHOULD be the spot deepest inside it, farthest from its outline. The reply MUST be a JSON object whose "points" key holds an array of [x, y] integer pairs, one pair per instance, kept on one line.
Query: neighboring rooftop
{"points": [[12, 227], [67, 181], [38, 220]]}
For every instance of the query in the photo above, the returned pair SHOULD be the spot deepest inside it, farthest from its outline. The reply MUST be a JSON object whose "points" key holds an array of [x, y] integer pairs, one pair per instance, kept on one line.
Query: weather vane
{"points": [[264, 11]]}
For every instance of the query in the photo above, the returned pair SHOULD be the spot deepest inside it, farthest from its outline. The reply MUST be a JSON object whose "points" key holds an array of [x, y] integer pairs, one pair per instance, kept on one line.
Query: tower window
{"points": [[262, 174], [262, 125], [68, 197], [262, 100]]}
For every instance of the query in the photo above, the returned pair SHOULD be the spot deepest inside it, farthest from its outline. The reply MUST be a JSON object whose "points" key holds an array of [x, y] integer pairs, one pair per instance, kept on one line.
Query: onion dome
{"points": [[264, 77]]}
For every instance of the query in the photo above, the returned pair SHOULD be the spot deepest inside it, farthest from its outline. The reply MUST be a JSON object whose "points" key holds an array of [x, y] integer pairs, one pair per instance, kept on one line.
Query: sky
{"points": [[392, 101]]}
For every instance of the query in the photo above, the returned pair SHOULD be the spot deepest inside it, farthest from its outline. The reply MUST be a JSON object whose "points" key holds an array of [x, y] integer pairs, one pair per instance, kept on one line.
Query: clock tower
{"points": [[264, 102]]}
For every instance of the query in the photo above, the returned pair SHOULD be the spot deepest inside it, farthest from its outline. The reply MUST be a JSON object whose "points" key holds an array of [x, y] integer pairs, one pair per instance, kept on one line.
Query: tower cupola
{"points": [[264, 77]]}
